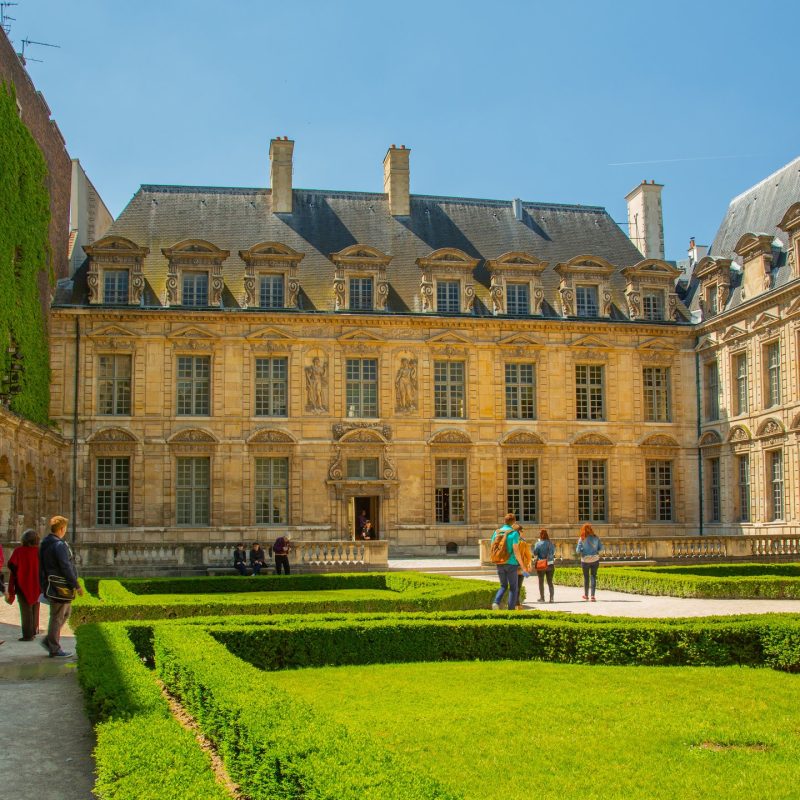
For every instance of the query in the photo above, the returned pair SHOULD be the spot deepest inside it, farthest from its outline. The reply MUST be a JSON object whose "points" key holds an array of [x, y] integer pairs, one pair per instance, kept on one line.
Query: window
{"points": [[657, 399], [712, 390], [712, 305], [743, 469], [114, 385], [362, 468], [271, 387], [362, 387], [194, 386], [448, 389], [270, 291], [113, 491], [115, 286], [714, 504], [653, 305], [775, 463], [272, 491], [586, 304], [518, 299], [193, 490], [520, 391], [592, 491], [448, 297], [451, 490], [361, 294], [589, 391], [741, 403], [772, 358], [523, 488], [195, 289], [659, 491]]}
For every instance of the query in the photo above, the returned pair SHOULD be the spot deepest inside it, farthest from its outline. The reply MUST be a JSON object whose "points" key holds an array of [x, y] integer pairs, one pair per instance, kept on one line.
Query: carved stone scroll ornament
{"points": [[672, 311], [538, 299], [739, 435], [469, 297], [426, 293], [317, 386], [605, 303], [250, 291], [292, 292], [405, 384], [215, 293], [336, 467], [389, 468], [567, 301], [496, 293], [172, 289], [93, 281], [338, 294], [634, 304], [381, 295]]}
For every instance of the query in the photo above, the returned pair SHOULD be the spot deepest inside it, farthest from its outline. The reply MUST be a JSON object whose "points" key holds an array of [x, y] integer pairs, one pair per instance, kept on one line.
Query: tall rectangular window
{"points": [[657, 400], [741, 403], [589, 402], [448, 297], [194, 386], [659, 491], [772, 353], [195, 289], [775, 463], [712, 390], [592, 490], [712, 306], [586, 304], [193, 490], [518, 299], [451, 490], [361, 294], [362, 387], [113, 491], [272, 491], [520, 391], [114, 385], [449, 393], [270, 291], [115, 287], [522, 488], [715, 490], [653, 305], [272, 389], [743, 470]]}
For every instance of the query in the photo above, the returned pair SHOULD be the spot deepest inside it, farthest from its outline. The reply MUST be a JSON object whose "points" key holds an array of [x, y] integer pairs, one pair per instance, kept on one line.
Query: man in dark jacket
{"points": [[55, 558], [281, 550]]}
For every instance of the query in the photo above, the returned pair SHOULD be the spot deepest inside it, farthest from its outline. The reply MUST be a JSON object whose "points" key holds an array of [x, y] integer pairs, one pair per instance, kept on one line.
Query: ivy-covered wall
{"points": [[24, 254]]}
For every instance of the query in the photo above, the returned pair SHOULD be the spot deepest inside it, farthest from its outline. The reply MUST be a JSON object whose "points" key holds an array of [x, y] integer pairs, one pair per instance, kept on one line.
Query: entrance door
{"points": [[365, 508]]}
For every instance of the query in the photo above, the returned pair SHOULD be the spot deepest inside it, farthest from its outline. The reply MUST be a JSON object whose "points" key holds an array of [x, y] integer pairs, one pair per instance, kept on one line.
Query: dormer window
{"points": [[270, 291], [270, 276], [712, 300], [518, 299], [194, 277], [448, 297], [586, 304], [359, 279], [714, 276], [446, 284], [650, 290], [585, 287], [115, 271], [516, 287], [361, 294], [115, 287], [653, 305], [194, 291]]}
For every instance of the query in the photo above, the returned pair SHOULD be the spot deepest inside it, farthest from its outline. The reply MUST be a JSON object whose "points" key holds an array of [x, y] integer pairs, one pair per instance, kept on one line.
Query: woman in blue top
{"points": [[589, 547], [545, 550]]}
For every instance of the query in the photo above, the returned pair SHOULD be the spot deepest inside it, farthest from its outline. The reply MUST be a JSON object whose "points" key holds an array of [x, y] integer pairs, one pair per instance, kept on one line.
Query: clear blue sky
{"points": [[502, 99]]}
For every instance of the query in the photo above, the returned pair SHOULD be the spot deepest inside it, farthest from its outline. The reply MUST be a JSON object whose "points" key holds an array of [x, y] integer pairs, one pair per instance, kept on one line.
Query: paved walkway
{"points": [[47, 741]]}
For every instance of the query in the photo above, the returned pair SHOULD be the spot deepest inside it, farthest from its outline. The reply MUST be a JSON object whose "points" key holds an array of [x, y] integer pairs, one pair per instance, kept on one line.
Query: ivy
{"points": [[24, 256]]}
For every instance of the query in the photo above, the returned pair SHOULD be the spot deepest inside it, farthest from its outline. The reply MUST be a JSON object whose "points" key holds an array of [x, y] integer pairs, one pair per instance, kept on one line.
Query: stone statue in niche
{"points": [[406, 385], [316, 385]]}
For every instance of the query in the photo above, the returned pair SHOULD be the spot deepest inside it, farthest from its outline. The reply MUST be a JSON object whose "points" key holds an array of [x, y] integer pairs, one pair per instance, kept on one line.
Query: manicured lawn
{"points": [[262, 599], [531, 729]]}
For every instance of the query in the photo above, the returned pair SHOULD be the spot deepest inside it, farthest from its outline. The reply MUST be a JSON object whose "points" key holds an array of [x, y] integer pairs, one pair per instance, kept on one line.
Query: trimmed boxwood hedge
{"points": [[721, 581]]}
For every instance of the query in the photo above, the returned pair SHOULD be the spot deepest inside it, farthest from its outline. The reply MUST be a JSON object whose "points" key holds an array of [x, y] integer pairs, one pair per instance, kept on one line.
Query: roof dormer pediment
{"points": [[585, 264], [790, 221], [195, 251], [517, 261], [652, 268], [764, 320], [733, 333], [361, 255], [271, 253], [448, 257]]}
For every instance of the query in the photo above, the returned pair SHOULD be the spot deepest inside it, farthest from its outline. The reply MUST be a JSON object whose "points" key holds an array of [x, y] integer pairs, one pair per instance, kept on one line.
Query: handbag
{"points": [[540, 564], [59, 589]]}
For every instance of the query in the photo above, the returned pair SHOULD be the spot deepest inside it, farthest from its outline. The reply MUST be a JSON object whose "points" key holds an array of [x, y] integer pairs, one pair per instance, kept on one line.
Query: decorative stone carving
{"points": [[115, 252], [270, 436], [405, 385], [593, 440], [518, 267], [249, 291], [342, 428], [450, 437], [567, 301], [389, 468], [195, 254], [93, 282], [317, 385], [442, 264], [192, 436], [522, 438], [770, 428], [336, 467], [360, 260], [271, 258], [339, 303], [112, 435], [496, 293], [580, 270], [659, 440], [739, 434], [634, 304], [710, 439]]}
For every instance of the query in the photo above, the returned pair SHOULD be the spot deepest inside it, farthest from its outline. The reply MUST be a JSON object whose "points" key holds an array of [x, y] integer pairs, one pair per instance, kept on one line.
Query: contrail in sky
{"points": [[675, 160]]}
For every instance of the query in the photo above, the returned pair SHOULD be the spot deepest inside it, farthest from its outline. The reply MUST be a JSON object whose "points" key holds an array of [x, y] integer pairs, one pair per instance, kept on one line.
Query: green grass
{"points": [[519, 730]]}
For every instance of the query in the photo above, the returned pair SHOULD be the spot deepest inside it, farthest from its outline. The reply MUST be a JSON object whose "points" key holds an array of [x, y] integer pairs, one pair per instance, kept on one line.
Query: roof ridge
{"points": [[764, 180]]}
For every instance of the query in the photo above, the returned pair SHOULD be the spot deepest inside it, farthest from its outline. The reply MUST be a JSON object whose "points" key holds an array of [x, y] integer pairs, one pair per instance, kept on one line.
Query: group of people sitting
{"points": [[259, 558]]}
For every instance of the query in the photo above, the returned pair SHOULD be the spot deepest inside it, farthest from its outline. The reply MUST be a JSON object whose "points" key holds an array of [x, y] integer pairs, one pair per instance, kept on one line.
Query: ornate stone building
{"points": [[251, 360]]}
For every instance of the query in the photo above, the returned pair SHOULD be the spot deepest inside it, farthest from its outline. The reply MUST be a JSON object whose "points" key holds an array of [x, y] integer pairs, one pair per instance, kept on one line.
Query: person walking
{"points": [[507, 572], [589, 547], [23, 584], [281, 550], [55, 561], [544, 551], [258, 558], [240, 559]]}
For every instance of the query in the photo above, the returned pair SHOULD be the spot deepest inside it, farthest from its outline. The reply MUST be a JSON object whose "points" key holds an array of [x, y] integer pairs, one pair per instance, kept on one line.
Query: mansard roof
{"points": [[326, 222]]}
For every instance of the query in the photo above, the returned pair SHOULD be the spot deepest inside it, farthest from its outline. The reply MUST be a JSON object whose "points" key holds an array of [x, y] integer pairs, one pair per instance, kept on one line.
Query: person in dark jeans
{"points": [[545, 550], [258, 558], [240, 559], [589, 547], [23, 584], [281, 550], [55, 559]]}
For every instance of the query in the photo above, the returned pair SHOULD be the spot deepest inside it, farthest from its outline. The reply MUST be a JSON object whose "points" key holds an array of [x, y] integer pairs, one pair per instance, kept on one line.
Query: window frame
{"points": [[520, 395], [657, 391], [276, 279], [518, 286], [658, 312], [743, 483], [660, 491], [195, 383], [362, 389], [776, 497], [587, 495], [741, 382], [355, 301], [448, 492], [772, 373], [712, 404], [450, 299], [587, 392], [714, 466], [270, 389], [195, 275], [362, 474], [117, 494], [581, 306], [522, 497], [116, 295], [444, 396], [117, 385], [265, 492], [194, 492]]}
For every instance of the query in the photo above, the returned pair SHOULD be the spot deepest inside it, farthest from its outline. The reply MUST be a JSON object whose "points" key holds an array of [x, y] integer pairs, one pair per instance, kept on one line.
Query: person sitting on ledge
{"points": [[258, 558], [240, 559]]}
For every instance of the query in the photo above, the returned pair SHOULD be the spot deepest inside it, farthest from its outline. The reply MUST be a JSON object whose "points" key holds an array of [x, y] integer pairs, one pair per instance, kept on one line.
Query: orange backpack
{"points": [[498, 552]]}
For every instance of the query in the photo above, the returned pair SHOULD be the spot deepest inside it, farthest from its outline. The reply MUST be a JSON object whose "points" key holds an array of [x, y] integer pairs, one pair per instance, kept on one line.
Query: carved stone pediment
{"points": [[520, 438], [362, 432], [710, 439], [192, 436], [115, 435], [770, 427], [593, 440], [659, 440], [270, 436], [739, 433], [450, 437]]}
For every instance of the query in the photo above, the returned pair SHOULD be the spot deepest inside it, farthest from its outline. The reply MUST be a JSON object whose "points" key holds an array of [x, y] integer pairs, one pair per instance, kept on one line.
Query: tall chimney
{"points": [[280, 174], [396, 180], [646, 219]]}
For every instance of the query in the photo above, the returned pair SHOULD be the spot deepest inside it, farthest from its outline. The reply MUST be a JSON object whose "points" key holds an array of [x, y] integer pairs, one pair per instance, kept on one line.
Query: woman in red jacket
{"points": [[24, 583]]}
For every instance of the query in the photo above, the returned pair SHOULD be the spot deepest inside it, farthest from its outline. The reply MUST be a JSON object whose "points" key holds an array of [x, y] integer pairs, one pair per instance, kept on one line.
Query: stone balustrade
{"points": [[679, 548]]}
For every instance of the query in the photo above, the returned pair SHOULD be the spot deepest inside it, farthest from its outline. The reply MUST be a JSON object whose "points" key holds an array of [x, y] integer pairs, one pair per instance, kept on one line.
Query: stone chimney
{"points": [[396, 180], [646, 220], [697, 252], [280, 174]]}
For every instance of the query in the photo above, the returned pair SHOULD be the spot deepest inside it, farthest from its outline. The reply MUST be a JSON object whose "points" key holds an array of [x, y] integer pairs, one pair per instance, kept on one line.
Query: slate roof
{"points": [[324, 222]]}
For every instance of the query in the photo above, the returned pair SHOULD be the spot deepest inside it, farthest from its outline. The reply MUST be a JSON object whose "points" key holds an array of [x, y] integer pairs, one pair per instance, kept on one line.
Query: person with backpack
{"points": [[589, 547], [504, 552], [544, 554]]}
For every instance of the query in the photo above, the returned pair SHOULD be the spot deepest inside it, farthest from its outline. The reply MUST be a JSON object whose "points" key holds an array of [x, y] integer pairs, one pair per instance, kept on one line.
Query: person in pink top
{"points": [[23, 583]]}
